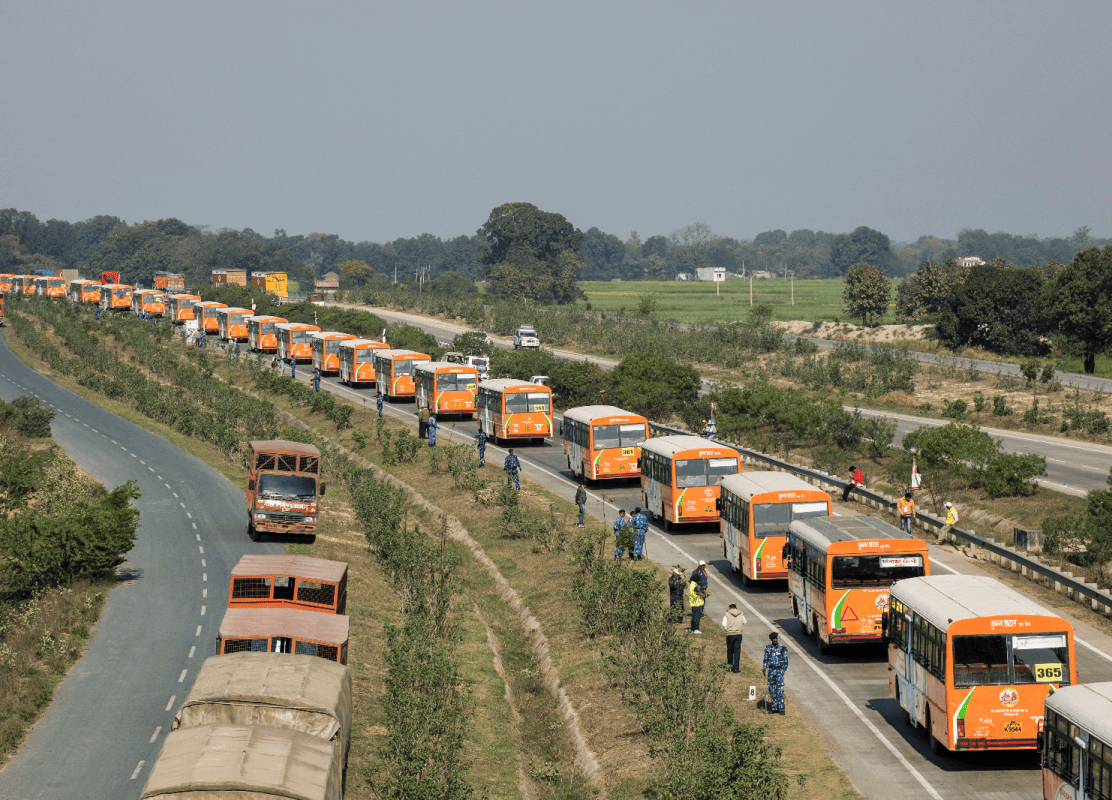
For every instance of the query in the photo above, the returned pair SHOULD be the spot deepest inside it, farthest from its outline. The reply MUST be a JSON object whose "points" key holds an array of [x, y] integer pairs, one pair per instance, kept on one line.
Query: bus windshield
{"points": [[186, 303], [268, 327], [1001, 659], [156, 297], [301, 337], [287, 487], [403, 367], [773, 519], [629, 435], [119, 292], [332, 346], [522, 402], [455, 382], [847, 571], [704, 471]]}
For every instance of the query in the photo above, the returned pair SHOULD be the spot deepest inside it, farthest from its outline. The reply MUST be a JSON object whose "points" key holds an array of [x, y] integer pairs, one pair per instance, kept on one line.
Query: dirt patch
{"points": [[846, 332]]}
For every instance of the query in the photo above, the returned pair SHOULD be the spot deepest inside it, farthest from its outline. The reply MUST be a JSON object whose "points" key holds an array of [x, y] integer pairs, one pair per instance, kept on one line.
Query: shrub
{"points": [[955, 409], [1000, 407], [978, 402], [30, 416], [1011, 475]]}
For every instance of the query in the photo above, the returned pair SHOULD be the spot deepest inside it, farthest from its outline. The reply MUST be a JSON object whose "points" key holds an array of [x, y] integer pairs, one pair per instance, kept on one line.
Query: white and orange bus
{"points": [[326, 350], [262, 333], [680, 477], [84, 291], [357, 360], [972, 660], [394, 370], [512, 410], [181, 308], [24, 285], [207, 315], [756, 509], [1077, 743], [295, 341], [840, 570], [115, 297], [7, 283], [447, 389], [54, 288], [148, 300], [603, 442], [233, 323]]}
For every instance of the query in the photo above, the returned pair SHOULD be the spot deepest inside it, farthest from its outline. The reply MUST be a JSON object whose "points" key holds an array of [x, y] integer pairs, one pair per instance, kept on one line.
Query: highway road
{"points": [[105, 727], [1072, 467]]}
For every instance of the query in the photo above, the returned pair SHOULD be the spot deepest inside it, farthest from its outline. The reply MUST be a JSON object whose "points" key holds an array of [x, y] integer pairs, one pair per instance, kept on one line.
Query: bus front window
{"points": [[719, 468], [403, 367], [301, 337], [331, 346], [691, 472], [607, 436], [849, 571]]}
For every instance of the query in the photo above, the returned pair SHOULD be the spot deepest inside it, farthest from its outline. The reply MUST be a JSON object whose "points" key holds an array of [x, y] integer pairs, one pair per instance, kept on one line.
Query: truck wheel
{"points": [[252, 534]]}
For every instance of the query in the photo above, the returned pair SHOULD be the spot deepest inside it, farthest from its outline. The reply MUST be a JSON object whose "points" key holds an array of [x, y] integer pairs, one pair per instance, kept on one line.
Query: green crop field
{"points": [[691, 301]]}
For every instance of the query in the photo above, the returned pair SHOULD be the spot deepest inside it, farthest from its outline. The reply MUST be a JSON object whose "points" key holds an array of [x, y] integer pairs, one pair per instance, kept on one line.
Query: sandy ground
{"points": [[843, 331]]}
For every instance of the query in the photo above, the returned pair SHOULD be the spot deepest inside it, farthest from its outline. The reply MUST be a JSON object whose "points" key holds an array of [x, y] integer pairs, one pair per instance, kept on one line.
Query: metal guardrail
{"points": [[879, 500]]}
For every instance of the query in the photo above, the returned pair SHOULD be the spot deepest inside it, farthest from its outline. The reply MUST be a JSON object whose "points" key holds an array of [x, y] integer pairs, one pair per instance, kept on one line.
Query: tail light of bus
{"points": [[838, 630], [961, 728]]}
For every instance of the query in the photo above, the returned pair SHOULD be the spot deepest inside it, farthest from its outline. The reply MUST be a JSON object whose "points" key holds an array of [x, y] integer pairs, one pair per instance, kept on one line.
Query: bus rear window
{"points": [[403, 367], [540, 402], [719, 468], [773, 519], [332, 346], [301, 337], [455, 382], [268, 328], [848, 571], [1006, 659], [704, 471]]}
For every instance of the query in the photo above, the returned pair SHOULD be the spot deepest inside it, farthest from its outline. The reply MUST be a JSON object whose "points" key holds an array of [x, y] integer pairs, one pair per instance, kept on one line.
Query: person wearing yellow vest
{"points": [[951, 521], [906, 509], [696, 598]]}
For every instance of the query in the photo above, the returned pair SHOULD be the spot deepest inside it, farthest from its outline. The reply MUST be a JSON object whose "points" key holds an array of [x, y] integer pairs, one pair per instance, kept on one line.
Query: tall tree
{"points": [[867, 292], [533, 254], [691, 245], [997, 307], [1079, 301], [864, 245]]}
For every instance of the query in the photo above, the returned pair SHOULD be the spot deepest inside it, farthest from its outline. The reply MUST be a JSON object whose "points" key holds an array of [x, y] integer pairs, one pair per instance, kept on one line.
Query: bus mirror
{"points": [[251, 485], [323, 486]]}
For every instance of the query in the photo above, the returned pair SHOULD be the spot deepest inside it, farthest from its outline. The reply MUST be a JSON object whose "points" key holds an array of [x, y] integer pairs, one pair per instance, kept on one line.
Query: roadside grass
{"points": [[40, 639]]}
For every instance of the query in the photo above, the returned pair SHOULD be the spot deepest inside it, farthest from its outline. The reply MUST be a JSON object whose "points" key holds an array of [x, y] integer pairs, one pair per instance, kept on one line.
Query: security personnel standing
{"points": [[316, 379], [675, 593], [378, 404], [481, 443], [431, 428], [696, 598], [293, 367], [423, 422], [621, 533], [640, 525], [774, 666], [513, 468]]}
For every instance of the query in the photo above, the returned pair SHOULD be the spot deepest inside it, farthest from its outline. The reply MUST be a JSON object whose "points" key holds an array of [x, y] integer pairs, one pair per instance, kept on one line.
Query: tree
{"points": [[602, 255], [1080, 302], [532, 255], [997, 307], [354, 273], [952, 456], [653, 385], [691, 245], [926, 291], [867, 292], [452, 284], [863, 245]]}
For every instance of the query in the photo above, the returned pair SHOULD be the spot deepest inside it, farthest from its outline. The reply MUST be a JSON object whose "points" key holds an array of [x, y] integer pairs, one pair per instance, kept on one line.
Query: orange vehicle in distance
{"points": [[681, 477], [515, 410], [357, 361], [295, 341], [603, 442], [207, 315], [326, 350], [394, 372], [284, 630], [285, 581], [24, 285], [262, 333], [84, 291], [233, 323], [7, 283], [54, 288], [446, 388], [116, 297], [148, 301], [180, 307]]}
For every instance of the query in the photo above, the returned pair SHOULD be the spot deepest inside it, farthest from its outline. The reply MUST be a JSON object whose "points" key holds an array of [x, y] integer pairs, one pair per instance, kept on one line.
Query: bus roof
{"points": [[591, 413], [671, 445], [944, 599], [297, 326], [333, 335], [392, 354], [265, 318], [502, 384], [447, 366], [1087, 704], [300, 623], [748, 484], [205, 303], [318, 569], [234, 310], [825, 531]]}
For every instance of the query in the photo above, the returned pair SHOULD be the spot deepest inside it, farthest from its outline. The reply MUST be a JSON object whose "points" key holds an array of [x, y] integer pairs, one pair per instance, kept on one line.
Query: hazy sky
{"points": [[379, 120]]}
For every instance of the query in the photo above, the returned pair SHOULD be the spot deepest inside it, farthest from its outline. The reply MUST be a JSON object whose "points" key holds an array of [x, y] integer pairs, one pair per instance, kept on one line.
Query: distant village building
{"points": [[327, 285], [970, 261], [762, 275]]}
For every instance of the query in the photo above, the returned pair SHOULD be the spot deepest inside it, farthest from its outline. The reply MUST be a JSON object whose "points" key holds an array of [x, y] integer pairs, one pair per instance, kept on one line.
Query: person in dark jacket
{"points": [[481, 443], [700, 575], [423, 422], [640, 525], [774, 666], [378, 404], [581, 501], [676, 584], [431, 428], [512, 466]]}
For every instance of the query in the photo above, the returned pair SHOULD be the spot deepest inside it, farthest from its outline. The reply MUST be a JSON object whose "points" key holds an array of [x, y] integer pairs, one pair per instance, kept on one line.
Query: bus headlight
{"points": [[260, 516], [310, 520]]}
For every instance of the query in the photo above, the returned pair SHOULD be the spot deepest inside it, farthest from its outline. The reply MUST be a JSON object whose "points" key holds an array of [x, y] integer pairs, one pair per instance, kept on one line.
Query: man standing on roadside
{"points": [[581, 501], [774, 666], [431, 428], [640, 525], [512, 466], [675, 593], [906, 509], [696, 598], [734, 625], [378, 404], [481, 443], [857, 478], [700, 575], [621, 534], [423, 422]]}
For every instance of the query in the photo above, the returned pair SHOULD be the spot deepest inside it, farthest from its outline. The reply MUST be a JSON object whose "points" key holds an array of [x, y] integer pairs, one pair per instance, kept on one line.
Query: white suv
{"points": [[526, 337]]}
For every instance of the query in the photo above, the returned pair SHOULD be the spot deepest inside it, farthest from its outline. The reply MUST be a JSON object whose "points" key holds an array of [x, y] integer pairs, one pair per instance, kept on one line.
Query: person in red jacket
{"points": [[857, 479]]}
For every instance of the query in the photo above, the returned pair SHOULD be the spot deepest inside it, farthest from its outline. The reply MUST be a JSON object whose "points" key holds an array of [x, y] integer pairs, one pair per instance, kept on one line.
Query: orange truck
{"points": [[232, 277], [109, 277], [283, 484], [169, 281]]}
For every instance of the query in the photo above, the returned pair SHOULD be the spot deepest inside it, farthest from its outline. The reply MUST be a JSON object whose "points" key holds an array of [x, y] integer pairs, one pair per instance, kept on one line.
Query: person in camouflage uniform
{"points": [[774, 666]]}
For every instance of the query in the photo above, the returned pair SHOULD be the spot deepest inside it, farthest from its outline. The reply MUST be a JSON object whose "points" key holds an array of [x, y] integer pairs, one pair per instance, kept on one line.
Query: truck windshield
{"points": [[287, 487]]}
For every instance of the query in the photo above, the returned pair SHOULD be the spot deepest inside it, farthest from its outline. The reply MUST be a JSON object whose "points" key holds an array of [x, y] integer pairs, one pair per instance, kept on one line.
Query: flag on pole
{"points": [[315, 318], [713, 410], [916, 478]]}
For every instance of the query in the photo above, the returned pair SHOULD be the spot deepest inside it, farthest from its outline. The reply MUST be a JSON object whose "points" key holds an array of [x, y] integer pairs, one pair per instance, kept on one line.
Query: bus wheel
{"points": [[823, 647], [937, 748], [665, 524]]}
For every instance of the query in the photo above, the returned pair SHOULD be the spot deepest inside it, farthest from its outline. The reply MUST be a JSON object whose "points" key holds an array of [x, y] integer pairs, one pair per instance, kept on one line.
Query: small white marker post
{"points": [[752, 692]]}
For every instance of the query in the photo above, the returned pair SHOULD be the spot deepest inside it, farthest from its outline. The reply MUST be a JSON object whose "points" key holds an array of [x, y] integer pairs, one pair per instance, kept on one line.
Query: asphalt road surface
{"points": [[104, 729], [1072, 467]]}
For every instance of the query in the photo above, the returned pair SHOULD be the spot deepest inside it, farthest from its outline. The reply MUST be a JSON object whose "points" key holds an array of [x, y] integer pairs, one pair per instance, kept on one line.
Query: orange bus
{"points": [[446, 388], [603, 442], [233, 323], [262, 333], [207, 315], [295, 342], [285, 581], [972, 660], [85, 291], [148, 300], [1077, 743], [394, 370], [116, 297], [24, 284], [7, 283], [839, 572], [326, 350], [357, 360], [756, 509], [284, 630], [680, 477], [515, 410], [182, 307], [54, 288]]}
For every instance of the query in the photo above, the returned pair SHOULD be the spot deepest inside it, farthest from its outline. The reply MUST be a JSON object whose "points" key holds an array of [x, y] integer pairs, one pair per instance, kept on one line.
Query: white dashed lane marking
{"points": [[157, 731], [170, 705], [182, 676], [138, 768]]}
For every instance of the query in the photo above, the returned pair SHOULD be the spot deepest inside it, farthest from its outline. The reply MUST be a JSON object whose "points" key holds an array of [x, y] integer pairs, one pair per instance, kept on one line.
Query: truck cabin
{"points": [[283, 484], [284, 630], [285, 581]]}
